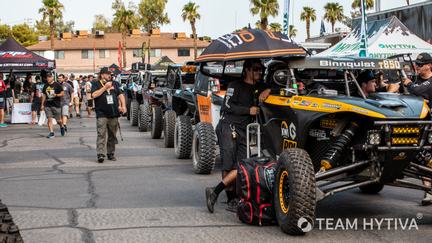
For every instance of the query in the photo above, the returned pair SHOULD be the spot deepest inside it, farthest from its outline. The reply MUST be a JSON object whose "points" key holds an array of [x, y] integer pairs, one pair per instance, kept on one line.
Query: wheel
{"points": [[372, 188], [156, 122], [294, 192], [168, 128], [128, 105], [144, 118], [203, 148], [134, 113], [183, 134]]}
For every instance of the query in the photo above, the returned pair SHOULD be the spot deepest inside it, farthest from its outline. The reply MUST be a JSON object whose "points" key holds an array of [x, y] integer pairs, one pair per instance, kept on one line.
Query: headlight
{"points": [[430, 137], [374, 138]]}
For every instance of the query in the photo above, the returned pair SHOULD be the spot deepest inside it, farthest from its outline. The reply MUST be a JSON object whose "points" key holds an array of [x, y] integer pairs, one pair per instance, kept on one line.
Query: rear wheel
{"points": [[156, 122], [134, 113], [168, 128], [294, 192], [372, 188], [183, 137], [144, 118], [203, 148]]}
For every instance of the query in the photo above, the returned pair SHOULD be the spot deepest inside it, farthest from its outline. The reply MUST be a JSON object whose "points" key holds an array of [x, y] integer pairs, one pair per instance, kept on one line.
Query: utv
{"points": [[328, 137]]}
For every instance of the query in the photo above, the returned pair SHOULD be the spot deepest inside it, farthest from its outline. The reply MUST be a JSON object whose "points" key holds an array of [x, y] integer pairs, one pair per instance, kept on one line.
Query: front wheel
{"points": [[295, 192], [156, 122], [183, 137], [168, 128], [144, 117], [204, 148], [134, 113]]}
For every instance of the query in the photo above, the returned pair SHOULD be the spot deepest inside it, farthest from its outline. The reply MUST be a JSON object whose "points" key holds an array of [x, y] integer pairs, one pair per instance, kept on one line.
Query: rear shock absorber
{"points": [[333, 154]]}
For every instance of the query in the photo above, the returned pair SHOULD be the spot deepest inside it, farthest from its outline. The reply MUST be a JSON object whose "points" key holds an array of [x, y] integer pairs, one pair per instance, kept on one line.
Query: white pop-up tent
{"points": [[386, 38]]}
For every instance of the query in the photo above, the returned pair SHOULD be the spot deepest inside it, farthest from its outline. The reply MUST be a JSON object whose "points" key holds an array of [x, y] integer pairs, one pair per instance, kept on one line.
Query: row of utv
{"points": [[317, 133]]}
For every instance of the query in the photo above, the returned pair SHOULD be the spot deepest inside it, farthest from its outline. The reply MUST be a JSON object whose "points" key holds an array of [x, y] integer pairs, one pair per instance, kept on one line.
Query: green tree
{"points": [[5, 31], [64, 27], [356, 4], [152, 14], [124, 21], [24, 34], [264, 8], [276, 27], [51, 11], [308, 14], [101, 23], [42, 27], [292, 31], [333, 13], [190, 13]]}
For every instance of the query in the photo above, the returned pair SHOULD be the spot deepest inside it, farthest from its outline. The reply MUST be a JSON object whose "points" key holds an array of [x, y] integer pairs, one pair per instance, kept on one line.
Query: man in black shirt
{"points": [[110, 104], [51, 103], [238, 110]]}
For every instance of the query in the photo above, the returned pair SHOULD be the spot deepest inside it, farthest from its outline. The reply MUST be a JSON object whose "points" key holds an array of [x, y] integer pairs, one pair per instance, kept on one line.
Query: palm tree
{"points": [[308, 15], [356, 4], [190, 12], [333, 13], [276, 27], [292, 31], [51, 10], [264, 8], [407, 1], [124, 21]]}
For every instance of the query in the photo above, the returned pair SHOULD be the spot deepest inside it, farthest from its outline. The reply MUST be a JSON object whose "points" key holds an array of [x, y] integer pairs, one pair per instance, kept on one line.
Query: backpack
{"points": [[255, 179]]}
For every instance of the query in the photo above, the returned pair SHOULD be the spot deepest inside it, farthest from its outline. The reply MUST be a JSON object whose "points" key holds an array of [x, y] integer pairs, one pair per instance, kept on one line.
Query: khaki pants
{"points": [[106, 126]]}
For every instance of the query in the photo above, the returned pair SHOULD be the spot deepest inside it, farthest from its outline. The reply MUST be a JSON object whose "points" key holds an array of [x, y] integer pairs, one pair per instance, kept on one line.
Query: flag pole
{"points": [[363, 31]]}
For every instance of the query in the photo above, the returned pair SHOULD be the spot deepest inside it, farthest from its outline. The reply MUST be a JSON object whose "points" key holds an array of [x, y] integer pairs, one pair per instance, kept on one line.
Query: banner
{"points": [[286, 17], [363, 32], [21, 113]]}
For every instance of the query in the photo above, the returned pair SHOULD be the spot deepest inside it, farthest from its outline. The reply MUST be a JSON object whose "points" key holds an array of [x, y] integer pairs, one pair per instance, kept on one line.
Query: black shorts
{"points": [[90, 103], [35, 106], [231, 150]]}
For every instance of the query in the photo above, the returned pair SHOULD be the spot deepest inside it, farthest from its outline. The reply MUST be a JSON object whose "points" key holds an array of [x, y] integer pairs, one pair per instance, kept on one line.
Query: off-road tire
{"points": [[183, 134], [128, 105], [372, 188], [295, 192], [134, 113], [204, 148], [169, 127], [156, 122], [144, 118]]}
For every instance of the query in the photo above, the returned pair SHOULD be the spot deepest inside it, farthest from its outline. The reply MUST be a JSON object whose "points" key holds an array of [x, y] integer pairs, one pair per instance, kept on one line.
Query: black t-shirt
{"points": [[422, 87], [102, 106], [49, 90]]}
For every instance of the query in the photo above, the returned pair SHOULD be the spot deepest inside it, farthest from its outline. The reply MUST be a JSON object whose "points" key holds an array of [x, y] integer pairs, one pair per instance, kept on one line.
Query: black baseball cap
{"points": [[365, 76], [105, 70], [49, 73], [423, 58]]}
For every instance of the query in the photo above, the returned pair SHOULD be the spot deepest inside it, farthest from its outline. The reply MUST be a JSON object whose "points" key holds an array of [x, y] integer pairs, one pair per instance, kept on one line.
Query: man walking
{"points": [[66, 100], [110, 104], [35, 98], [51, 103]]}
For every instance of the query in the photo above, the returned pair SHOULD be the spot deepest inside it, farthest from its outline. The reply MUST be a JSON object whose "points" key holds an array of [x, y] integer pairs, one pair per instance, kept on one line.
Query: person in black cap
{"points": [[423, 87], [367, 82], [110, 104], [51, 103]]}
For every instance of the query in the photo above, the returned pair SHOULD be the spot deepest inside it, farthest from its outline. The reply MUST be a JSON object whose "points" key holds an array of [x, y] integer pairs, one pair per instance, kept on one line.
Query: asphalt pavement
{"points": [[57, 192]]}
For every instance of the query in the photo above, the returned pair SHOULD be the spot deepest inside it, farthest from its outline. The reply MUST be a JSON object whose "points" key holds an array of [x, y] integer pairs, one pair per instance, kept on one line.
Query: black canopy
{"points": [[250, 43], [162, 64], [16, 57]]}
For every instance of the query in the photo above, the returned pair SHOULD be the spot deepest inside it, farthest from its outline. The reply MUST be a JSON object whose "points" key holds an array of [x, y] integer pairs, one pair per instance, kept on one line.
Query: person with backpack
{"points": [[238, 110]]}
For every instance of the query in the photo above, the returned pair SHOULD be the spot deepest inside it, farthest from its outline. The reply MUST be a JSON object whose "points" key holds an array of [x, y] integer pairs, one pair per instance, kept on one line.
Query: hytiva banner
{"points": [[21, 113]]}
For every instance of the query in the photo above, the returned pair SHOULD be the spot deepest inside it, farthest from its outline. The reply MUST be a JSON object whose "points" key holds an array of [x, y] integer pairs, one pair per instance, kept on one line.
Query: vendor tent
{"points": [[386, 38], [162, 64], [14, 56]]}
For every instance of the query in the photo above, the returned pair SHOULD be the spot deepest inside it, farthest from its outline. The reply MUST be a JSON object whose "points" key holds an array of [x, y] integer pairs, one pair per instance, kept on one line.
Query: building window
{"points": [[183, 52], [155, 52], [103, 54], [59, 54], [40, 53], [137, 53], [86, 54]]}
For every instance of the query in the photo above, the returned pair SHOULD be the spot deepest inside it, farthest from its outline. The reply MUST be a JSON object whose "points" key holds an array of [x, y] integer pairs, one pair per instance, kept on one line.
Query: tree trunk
{"points": [[308, 28], [333, 25], [124, 49], [194, 40], [407, 1], [51, 23], [264, 23]]}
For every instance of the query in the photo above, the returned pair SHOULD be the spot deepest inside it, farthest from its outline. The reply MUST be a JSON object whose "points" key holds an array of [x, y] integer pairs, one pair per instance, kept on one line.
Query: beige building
{"points": [[84, 53]]}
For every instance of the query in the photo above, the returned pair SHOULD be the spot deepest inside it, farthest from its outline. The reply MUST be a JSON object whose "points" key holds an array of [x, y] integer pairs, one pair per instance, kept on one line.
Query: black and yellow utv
{"points": [[328, 137]]}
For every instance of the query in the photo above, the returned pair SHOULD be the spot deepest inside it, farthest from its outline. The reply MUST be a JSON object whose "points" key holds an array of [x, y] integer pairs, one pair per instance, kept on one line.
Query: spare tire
{"points": [[204, 148], [295, 192], [156, 122], [183, 134], [134, 113], [168, 128]]}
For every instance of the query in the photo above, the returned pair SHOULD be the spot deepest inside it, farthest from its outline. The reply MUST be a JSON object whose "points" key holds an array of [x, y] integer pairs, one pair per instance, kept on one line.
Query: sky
{"points": [[218, 17]]}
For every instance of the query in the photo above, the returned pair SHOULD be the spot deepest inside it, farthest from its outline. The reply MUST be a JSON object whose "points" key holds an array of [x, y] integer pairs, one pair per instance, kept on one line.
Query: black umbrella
{"points": [[250, 43]]}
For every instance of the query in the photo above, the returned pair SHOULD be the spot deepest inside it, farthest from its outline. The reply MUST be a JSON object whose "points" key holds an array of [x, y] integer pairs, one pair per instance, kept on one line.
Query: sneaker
{"points": [[232, 205], [65, 128], [62, 131], [211, 198], [3, 125], [70, 116], [51, 135], [100, 158], [78, 115], [427, 200], [111, 157]]}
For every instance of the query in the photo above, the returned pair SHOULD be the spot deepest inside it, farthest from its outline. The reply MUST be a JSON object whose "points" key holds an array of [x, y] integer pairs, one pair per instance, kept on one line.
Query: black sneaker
{"points": [[100, 158], [78, 115], [50, 135], [62, 131], [65, 128], [71, 116], [111, 157], [427, 200], [211, 198], [232, 205]]}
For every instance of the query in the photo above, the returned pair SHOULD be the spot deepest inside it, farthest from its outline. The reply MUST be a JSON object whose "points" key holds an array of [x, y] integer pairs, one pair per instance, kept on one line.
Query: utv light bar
{"points": [[406, 130], [404, 140], [403, 122]]}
